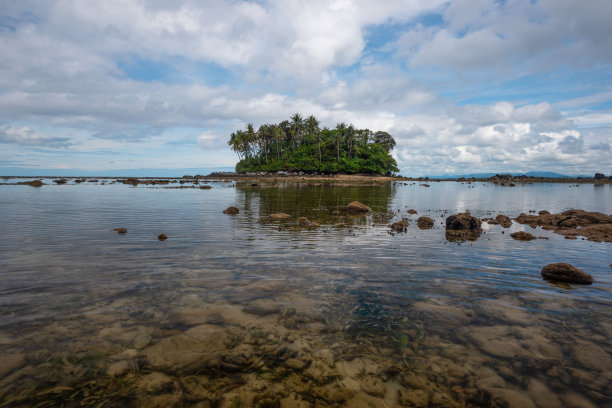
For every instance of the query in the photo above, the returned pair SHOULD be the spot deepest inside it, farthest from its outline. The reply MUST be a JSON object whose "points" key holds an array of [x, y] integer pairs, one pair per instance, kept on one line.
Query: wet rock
{"points": [[303, 222], [279, 216], [399, 226], [199, 347], [60, 181], [594, 226], [412, 211], [231, 210], [543, 212], [462, 227], [356, 207], [504, 220], [205, 187], [121, 231], [564, 272], [425, 223], [523, 236], [162, 237]]}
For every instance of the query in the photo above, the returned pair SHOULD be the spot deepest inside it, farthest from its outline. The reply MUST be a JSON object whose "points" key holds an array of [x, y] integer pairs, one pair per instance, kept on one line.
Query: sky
{"points": [[465, 86]]}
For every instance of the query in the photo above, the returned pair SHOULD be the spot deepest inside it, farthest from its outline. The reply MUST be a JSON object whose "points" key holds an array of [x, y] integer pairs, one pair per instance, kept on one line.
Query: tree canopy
{"points": [[299, 144]]}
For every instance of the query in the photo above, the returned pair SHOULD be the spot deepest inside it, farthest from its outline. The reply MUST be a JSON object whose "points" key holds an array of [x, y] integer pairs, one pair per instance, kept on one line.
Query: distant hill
{"points": [[548, 174], [36, 172]]}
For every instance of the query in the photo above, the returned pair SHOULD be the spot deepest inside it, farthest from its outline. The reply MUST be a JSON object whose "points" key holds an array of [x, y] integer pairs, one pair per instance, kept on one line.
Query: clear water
{"points": [[243, 311]]}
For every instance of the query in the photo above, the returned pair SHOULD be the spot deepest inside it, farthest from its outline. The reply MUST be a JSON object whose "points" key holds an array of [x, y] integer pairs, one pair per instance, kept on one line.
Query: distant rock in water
{"points": [[231, 210], [425, 223], [412, 211], [564, 272], [205, 187], [522, 236], [462, 227], [356, 207], [60, 181], [594, 226], [400, 226], [162, 237], [33, 183], [279, 216], [121, 231]]}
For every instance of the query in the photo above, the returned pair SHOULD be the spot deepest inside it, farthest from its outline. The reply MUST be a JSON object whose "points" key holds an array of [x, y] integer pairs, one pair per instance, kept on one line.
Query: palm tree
{"points": [[297, 124], [312, 127], [279, 136], [236, 144], [341, 128]]}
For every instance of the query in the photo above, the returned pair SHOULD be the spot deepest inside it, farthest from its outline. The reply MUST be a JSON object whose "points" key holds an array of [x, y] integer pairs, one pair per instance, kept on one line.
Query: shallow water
{"points": [[243, 311]]}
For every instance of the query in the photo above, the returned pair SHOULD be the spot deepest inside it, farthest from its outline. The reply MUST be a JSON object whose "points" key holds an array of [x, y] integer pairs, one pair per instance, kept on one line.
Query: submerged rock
{"points": [[356, 207], [162, 237], [425, 223], [121, 231], [564, 272], [523, 236], [231, 210], [280, 216]]}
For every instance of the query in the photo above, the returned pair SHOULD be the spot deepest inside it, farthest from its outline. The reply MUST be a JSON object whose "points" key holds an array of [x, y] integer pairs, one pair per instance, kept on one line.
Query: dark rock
{"points": [[425, 223], [162, 237], [564, 272], [205, 187], [504, 220], [412, 211], [543, 212], [399, 226], [463, 227], [60, 181], [231, 210], [356, 207], [463, 222], [33, 183], [522, 236], [121, 231]]}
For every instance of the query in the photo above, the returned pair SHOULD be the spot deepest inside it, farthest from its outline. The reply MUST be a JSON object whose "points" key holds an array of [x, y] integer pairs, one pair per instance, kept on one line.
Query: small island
{"points": [[300, 144]]}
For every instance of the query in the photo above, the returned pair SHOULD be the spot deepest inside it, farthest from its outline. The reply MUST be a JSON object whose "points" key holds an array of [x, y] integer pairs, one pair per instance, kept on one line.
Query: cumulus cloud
{"points": [[29, 137]]}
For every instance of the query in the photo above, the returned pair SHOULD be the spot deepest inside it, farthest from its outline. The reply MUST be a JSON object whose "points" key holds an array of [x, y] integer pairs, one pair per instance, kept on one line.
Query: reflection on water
{"points": [[233, 311]]}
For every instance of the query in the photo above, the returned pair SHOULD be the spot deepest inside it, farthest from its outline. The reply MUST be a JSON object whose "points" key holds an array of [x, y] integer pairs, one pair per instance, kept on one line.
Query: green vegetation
{"points": [[300, 145]]}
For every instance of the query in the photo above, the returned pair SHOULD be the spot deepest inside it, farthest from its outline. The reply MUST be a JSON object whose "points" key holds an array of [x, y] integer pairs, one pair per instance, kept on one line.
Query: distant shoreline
{"points": [[505, 180]]}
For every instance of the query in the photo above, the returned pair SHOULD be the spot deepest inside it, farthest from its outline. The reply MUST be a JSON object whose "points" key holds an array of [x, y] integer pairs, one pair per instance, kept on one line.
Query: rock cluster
{"points": [[594, 226]]}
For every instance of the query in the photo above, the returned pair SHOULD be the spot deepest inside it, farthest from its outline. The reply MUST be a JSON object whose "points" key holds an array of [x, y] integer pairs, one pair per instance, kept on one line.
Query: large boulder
{"points": [[463, 227], [504, 220], [463, 222], [564, 272], [356, 207]]}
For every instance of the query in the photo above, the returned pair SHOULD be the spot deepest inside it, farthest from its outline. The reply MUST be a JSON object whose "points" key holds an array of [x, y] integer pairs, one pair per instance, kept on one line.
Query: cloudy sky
{"points": [[463, 86]]}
